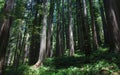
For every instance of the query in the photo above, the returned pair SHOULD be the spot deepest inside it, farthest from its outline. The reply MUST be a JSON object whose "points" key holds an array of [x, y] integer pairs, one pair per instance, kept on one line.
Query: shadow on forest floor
{"points": [[101, 62], [79, 61]]}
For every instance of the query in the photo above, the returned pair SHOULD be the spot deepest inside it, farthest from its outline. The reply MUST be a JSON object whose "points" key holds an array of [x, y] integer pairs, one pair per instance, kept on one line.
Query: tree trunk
{"points": [[4, 32], [71, 41], [79, 24], [113, 22], [49, 32], [26, 48], [43, 36], [35, 38], [104, 22], [58, 36], [94, 33], [63, 27], [86, 30]]}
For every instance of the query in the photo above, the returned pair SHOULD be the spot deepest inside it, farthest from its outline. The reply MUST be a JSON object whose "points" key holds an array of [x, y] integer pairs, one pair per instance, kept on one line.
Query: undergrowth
{"points": [[100, 63]]}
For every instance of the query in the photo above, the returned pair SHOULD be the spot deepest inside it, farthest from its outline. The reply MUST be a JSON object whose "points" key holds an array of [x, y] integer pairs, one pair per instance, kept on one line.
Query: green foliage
{"points": [[20, 9], [2, 15], [1, 4], [21, 70], [101, 63], [87, 69]]}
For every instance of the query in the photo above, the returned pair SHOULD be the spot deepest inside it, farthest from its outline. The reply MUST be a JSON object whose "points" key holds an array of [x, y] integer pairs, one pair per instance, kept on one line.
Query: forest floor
{"points": [[100, 62]]}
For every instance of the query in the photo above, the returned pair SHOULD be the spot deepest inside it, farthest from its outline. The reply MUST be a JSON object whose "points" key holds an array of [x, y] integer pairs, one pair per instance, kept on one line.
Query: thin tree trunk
{"points": [[94, 32], [63, 27], [58, 36], [49, 32], [17, 51], [79, 24], [86, 30], [104, 22], [26, 49]]}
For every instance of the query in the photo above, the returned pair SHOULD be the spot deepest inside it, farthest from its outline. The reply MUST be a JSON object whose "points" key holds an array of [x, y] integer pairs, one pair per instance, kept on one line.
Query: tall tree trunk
{"points": [[4, 32], [17, 50], [94, 33], [79, 24], [113, 22], [86, 30], [58, 36], [35, 38], [66, 26], [49, 32], [26, 48], [104, 22], [63, 26], [71, 41], [43, 36], [75, 33]]}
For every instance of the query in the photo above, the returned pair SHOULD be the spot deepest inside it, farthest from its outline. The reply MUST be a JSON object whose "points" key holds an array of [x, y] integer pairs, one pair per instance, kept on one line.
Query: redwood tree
{"points": [[71, 41], [42, 50], [4, 31], [112, 13], [94, 31]]}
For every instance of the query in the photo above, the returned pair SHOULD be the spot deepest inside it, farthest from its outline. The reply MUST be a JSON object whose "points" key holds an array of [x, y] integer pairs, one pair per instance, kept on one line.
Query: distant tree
{"points": [[86, 31], [35, 34], [94, 31], [49, 31], [63, 26], [104, 22], [79, 17], [58, 31]]}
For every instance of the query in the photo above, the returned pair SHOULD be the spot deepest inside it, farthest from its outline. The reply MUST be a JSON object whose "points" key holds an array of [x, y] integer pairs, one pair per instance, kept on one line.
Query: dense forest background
{"points": [[59, 37]]}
